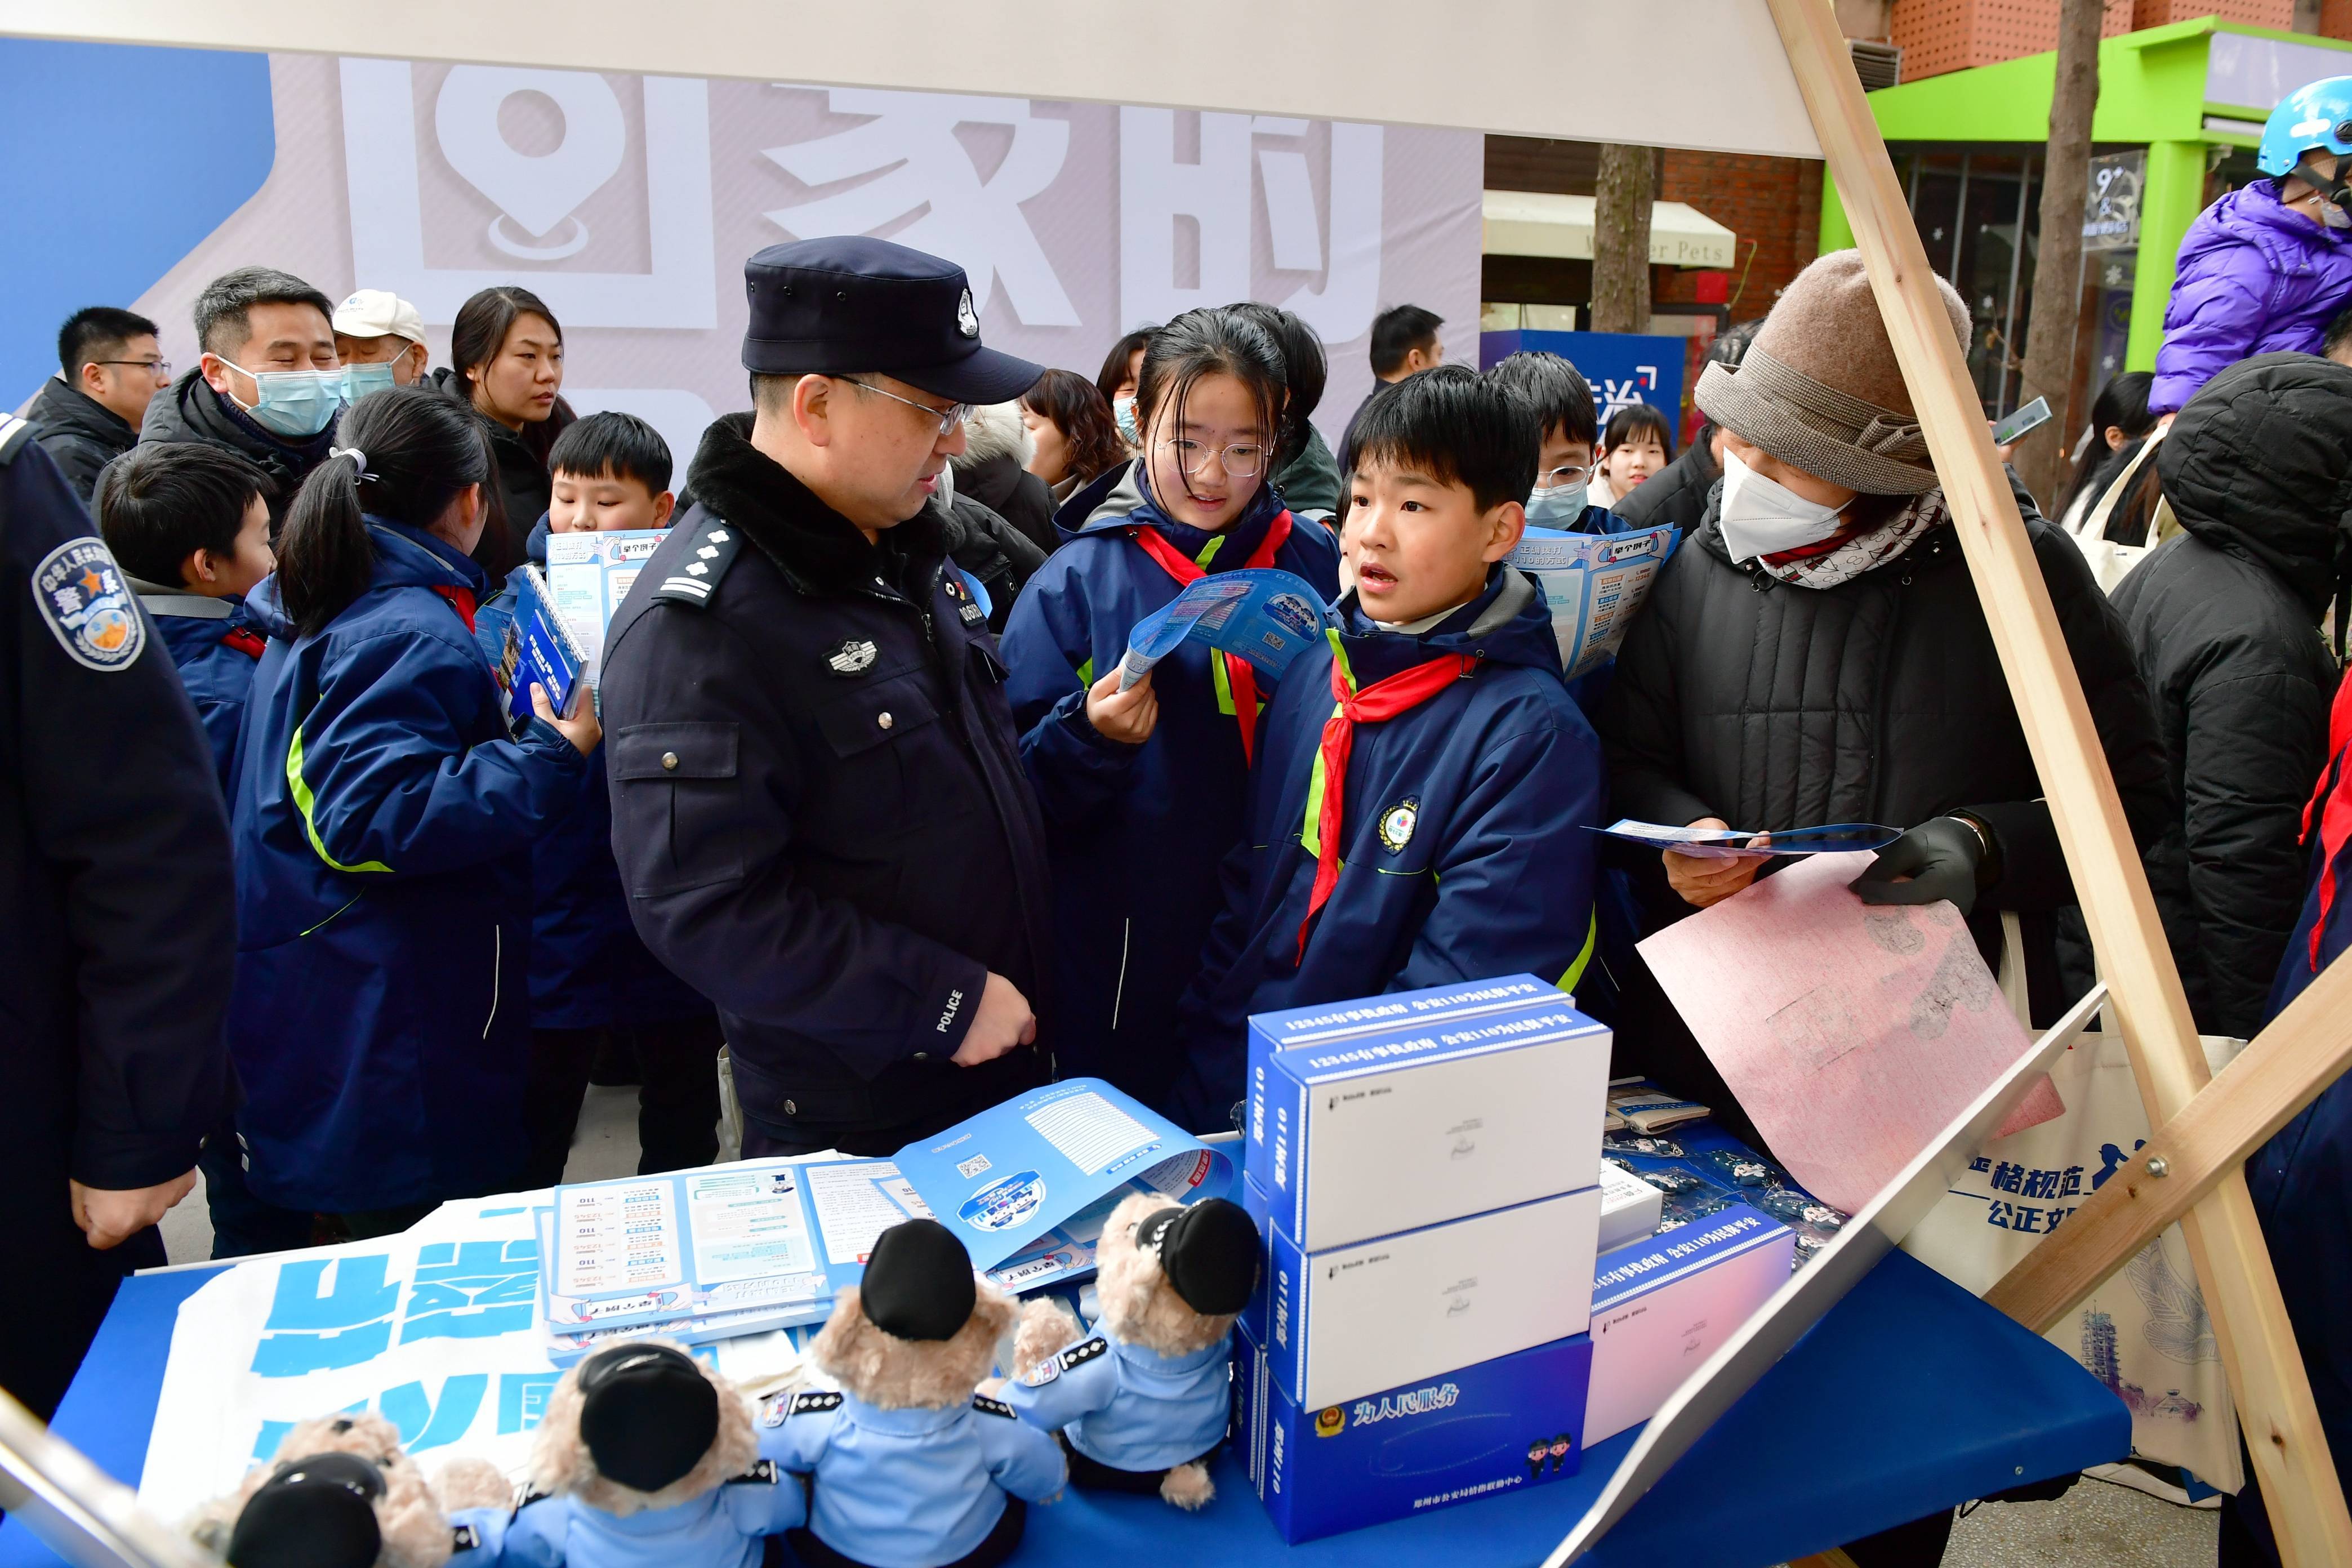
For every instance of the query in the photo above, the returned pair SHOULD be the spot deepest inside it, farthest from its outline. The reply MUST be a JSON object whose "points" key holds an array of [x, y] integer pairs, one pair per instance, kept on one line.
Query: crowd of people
{"points": [[344, 922]]}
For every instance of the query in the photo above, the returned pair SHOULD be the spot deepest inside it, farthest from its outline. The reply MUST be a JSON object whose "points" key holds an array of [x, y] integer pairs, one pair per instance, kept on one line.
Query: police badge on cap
{"points": [[850, 305]]}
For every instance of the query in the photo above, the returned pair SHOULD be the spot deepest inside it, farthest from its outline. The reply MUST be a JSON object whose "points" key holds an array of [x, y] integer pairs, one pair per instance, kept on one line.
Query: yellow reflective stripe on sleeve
{"points": [[1086, 673], [308, 806], [1592, 939], [1310, 832]]}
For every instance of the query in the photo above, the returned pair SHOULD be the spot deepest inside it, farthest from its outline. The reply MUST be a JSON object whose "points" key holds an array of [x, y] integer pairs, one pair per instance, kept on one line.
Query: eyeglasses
{"points": [[949, 418], [1566, 474], [1241, 462], [158, 366]]}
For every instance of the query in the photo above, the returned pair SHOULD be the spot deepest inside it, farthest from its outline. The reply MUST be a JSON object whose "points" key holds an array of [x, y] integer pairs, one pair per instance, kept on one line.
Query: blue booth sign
{"points": [[1624, 368]]}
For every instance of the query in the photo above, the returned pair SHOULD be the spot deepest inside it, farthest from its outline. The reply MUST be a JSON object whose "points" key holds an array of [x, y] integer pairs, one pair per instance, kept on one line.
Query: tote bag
{"points": [[2111, 562]]}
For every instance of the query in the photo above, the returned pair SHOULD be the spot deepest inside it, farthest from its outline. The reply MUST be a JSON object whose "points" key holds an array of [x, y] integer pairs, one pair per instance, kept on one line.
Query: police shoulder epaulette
{"points": [[530, 1496], [464, 1538], [13, 434], [815, 1400], [1077, 1355], [707, 557], [762, 1473], [987, 1407]]}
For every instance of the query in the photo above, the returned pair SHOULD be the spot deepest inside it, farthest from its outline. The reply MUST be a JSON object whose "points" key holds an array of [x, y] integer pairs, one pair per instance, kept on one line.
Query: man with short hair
{"points": [[818, 804], [266, 387], [87, 415], [374, 327], [1405, 342]]}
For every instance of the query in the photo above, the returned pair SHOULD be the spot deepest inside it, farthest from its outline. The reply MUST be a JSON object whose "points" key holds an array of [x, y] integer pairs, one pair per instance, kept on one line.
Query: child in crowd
{"points": [[190, 524], [1561, 400], [593, 984], [1636, 445], [1418, 812], [1141, 815], [384, 815]]}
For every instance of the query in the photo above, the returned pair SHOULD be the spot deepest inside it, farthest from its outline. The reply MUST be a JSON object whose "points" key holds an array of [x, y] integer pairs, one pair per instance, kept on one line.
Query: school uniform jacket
{"points": [[1138, 831], [1463, 849], [216, 646], [383, 819]]}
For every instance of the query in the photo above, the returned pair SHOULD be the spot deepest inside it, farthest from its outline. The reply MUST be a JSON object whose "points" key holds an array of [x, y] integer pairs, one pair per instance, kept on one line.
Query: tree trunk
{"points": [[1621, 239], [2049, 373]]}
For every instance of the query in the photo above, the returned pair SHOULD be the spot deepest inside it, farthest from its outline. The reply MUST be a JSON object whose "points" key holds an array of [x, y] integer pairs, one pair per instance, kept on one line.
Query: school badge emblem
{"points": [[855, 656], [967, 319], [1397, 824], [90, 609]]}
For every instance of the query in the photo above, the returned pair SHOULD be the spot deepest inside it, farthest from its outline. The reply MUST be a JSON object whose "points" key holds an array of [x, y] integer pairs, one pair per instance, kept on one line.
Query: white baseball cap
{"points": [[374, 313]]}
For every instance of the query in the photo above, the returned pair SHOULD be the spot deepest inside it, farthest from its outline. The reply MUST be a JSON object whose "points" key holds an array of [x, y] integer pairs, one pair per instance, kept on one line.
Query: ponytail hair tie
{"points": [[358, 458]]}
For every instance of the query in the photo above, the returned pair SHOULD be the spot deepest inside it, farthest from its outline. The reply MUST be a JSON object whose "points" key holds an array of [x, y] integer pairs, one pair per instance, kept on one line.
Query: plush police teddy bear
{"points": [[1142, 1402], [911, 1468], [647, 1458], [343, 1493]]}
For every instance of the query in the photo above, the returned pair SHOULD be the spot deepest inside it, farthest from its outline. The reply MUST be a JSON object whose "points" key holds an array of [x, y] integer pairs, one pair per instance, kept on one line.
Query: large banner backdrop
{"points": [[629, 203]]}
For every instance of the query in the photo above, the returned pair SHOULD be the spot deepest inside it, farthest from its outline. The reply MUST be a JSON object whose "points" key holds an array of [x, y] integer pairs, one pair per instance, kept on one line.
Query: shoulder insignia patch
{"points": [[693, 580], [1080, 1354], [814, 1401], [987, 1407], [88, 606], [762, 1473], [1044, 1372], [13, 434], [854, 656]]}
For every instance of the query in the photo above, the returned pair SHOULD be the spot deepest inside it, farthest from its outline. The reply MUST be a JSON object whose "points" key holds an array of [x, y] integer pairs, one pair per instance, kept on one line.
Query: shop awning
{"points": [[1533, 223]]}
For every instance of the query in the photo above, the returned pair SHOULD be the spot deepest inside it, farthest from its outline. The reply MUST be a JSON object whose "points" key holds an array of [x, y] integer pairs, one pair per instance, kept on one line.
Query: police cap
{"points": [[646, 1414], [318, 1512], [851, 305], [917, 1283], [1209, 1251]]}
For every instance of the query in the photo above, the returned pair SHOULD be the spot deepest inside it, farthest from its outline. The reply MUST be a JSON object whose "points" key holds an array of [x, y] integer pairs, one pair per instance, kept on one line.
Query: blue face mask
{"points": [[359, 380], [1558, 507], [295, 403], [1123, 409]]}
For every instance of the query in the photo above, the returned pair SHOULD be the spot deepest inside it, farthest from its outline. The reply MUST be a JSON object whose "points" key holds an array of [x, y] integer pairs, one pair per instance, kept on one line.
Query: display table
{"points": [[1909, 1396]]}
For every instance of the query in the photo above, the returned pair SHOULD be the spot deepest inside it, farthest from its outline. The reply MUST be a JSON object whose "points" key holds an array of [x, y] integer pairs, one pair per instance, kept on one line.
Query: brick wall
{"points": [[1773, 204], [1939, 35]]}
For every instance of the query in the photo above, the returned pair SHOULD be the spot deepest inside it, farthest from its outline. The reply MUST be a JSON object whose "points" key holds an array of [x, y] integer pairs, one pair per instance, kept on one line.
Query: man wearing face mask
{"points": [[268, 384]]}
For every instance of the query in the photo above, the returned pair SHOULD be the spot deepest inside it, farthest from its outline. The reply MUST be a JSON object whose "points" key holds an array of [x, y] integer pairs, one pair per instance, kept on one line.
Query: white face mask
{"points": [[1760, 516]]}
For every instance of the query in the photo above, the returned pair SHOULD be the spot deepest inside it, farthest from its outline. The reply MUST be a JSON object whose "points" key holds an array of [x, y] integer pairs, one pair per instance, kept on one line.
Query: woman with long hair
{"points": [[1070, 424], [2119, 423], [505, 351]]}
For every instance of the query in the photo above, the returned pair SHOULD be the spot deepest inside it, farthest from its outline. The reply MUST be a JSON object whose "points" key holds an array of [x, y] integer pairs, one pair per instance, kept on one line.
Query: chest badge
{"points": [[1397, 824], [855, 656]]}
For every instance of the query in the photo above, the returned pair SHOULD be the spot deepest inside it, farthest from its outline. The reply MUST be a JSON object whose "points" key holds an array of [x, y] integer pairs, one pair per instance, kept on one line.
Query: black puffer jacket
{"points": [[2225, 621], [1879, 700], [79, 433], [1676, 493]]}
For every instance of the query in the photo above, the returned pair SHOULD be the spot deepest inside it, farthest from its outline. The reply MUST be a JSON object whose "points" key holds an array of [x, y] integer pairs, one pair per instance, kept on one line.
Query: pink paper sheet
{"points": [[1851, 1033]]}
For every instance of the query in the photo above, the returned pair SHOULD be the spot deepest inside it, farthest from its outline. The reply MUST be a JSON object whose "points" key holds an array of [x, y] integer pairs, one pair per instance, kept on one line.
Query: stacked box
{"points": [[1662, 1305]]}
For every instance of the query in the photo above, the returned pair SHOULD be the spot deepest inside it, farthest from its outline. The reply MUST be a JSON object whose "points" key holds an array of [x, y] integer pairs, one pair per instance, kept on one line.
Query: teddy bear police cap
{"points": [[317, 1512], [646, 1414], [1209, 1252], [917, 1283]]}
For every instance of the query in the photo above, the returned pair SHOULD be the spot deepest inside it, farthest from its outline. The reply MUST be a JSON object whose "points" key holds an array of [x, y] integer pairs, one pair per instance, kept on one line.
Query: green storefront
{"points": [[2180, 111]]}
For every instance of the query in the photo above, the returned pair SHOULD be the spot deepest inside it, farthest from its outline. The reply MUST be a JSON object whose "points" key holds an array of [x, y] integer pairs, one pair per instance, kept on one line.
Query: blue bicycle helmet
{"points": [[2317, 114]]}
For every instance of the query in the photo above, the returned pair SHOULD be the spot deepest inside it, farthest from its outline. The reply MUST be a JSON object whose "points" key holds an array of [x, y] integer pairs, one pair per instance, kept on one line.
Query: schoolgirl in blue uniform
{"points": [[1424, 786], [384, 818], [1139, 814]]}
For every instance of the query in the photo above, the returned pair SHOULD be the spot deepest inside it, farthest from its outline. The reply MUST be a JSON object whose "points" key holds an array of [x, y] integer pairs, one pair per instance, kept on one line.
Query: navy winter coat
{"points": [[216, 646], [1136, 831], [383, 821], [1466, 854]]}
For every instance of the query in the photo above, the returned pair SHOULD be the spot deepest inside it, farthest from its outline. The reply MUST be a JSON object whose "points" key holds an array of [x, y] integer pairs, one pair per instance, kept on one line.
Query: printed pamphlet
{"points": [[541, 650], [1724, 843], [1593, 585], [589, 575], [1263, 615]]}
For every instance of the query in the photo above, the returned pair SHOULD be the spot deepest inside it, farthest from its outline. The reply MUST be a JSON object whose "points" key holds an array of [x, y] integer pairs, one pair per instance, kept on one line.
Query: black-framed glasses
{"points": [[949, 417], [1566, 474], [158, 366], [1242, 460]]}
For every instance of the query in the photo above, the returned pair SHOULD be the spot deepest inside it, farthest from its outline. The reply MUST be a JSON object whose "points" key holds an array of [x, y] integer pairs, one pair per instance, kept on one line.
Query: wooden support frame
{"points": [[2266, 1376]]}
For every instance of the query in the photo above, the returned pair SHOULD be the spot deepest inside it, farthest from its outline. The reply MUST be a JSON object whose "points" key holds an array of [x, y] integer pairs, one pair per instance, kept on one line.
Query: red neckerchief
{"points": [[1239, 676], [460, 600], [246, 641], [1383, 700]]}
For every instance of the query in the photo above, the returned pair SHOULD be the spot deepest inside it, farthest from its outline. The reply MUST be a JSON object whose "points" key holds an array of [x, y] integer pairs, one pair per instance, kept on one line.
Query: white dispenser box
{"points": [[1662, 1306], [1351, 1320], [1630, 1207], [1478, 1097]]}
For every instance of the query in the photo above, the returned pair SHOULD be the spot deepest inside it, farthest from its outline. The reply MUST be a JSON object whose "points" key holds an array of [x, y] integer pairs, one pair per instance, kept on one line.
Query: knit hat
{"points": [[1820, 389]]}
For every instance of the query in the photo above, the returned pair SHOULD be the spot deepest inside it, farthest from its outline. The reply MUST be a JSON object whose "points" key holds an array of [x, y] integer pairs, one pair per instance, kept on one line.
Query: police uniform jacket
{"points": [[818, 806], [117, 912], [722, 1529], [1129, 1407], [907, 1488]]}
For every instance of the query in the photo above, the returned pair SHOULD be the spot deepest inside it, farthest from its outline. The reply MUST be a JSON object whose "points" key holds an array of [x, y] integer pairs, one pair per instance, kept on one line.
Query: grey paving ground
{"points": [[2095, 1525]]}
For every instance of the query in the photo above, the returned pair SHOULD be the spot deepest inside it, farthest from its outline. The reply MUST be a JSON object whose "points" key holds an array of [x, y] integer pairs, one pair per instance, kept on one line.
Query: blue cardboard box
{"points": [[1476, 1099], [1498, 1425]]}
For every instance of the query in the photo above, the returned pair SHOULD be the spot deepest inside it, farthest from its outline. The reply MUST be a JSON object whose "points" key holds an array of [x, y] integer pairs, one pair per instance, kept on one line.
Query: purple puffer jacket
{"points": [[2253, 279]]}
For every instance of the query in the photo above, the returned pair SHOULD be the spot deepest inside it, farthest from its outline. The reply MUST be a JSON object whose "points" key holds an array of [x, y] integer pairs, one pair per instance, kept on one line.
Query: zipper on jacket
{"points": [[498, 953], [1878, 725], [1126, 935]]}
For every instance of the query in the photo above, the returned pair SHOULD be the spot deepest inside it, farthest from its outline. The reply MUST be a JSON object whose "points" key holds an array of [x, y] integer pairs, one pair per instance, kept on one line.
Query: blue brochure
{"points": [[1265, 616], [541, 648], [1593, 584], [1035, 1169], [1723, 843]]}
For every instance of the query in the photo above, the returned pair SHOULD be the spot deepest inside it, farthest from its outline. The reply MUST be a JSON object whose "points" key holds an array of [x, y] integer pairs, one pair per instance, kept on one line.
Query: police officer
{"points": [[818, 805], [118, 930]]}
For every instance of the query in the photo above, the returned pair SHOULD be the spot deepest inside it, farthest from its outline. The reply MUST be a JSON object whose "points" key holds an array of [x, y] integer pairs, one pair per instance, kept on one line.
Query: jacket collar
{"points": [[918, 1421], [1507, 623], [1150, 1363], [192, 411], [62, 405], [162, 600], [819, 552], [410, 557]]}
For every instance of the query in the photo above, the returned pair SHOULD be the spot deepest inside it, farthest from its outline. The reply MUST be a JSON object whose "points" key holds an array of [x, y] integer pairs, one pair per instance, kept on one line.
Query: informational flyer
{"points": [[588, 575], [1013, 1182], [1263, 615], [1593, 585], [1727, 843]]}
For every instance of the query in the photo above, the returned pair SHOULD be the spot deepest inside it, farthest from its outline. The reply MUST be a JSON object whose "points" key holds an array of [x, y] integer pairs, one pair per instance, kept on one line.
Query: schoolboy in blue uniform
{"points": [[590, 977], [1561, 400], [1419, 810], [190, 525]]}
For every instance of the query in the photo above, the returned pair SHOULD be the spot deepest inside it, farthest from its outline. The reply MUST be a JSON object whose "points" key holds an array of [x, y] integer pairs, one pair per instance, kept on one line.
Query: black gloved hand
{"points": [[1943, 858]]}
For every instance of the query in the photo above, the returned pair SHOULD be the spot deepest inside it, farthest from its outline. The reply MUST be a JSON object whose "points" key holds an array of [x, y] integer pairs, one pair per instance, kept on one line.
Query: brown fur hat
{"points": [[1139, 1304], [560, 1462], [892, 1374], [414, 1528]]}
